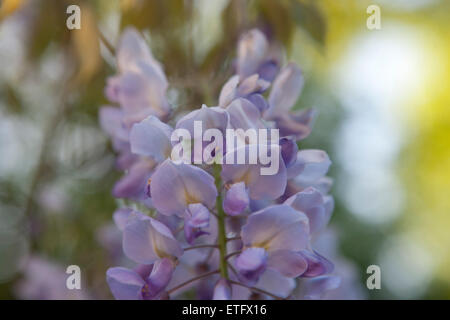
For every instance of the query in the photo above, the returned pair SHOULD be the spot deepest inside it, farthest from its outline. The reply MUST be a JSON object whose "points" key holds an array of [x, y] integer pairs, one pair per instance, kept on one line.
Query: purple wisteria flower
{"points": [[210, 217], [146, 282], [236, 199], [195, 220], [174, 186], [141, 84], [273, 238], [138, 91], [222, 290], [212, 119], [257, 65], [146, 240], [317, 207]]}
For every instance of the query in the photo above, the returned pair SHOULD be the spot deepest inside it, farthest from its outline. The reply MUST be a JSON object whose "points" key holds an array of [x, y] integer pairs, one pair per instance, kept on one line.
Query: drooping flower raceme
{"points": [[136, 92], [230, 229]]}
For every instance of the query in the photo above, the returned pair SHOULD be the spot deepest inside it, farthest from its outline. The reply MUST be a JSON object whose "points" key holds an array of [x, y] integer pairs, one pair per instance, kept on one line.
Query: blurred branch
{"points": [[106, 43], [41, 166]]}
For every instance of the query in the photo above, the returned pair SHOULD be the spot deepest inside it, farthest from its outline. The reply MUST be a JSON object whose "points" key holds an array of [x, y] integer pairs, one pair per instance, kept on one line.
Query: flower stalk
{"points": [[222, 236]]}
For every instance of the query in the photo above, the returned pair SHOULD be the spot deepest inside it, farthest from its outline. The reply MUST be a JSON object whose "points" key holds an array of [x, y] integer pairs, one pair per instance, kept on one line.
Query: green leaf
{"points": [[308, 16], [157, 15]]}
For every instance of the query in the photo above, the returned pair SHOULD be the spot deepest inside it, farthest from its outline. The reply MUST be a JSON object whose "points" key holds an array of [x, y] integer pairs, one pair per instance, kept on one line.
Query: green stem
{"points": [[258, 290], [222, 236], [191, 280]]}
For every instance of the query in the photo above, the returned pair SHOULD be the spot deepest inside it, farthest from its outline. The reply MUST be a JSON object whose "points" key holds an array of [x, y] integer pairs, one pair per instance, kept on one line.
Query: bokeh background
{"points": [[383, 97]]}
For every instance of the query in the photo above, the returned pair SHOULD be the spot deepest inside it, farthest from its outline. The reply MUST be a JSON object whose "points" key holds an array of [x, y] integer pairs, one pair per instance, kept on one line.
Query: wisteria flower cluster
{"points": [[218, 231]]}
